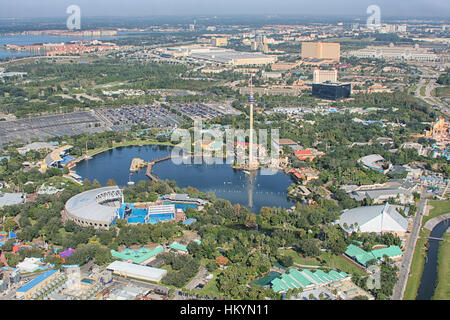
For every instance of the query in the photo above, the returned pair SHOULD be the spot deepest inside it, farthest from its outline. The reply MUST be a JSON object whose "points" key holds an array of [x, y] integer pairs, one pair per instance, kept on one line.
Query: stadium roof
{"points": [[87, 205], [380, 218]]}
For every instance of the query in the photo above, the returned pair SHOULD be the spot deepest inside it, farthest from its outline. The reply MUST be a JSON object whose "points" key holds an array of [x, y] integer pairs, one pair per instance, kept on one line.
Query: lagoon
{"points": [[253, 191]]}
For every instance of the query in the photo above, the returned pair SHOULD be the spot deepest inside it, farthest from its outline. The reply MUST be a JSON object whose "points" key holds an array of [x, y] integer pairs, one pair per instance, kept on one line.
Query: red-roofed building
{"points": [[303, 155], [307, 154], [304, 174]]}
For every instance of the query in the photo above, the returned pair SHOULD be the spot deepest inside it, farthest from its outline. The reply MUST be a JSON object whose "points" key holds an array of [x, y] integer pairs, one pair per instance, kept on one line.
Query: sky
{"points": [[57, 8]]}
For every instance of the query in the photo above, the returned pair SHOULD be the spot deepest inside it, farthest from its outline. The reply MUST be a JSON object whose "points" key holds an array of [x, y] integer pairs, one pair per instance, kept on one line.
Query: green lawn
{"points": [[441, 92], [422, 91], [210, 288], [439, 207], [442, 291], [416, 269], [331, 260], [339, 262], [417, 264], [298, 258]]}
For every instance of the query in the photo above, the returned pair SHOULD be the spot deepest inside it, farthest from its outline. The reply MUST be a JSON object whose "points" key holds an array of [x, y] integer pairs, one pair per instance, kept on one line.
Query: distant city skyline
{"points": [[57, 8]]}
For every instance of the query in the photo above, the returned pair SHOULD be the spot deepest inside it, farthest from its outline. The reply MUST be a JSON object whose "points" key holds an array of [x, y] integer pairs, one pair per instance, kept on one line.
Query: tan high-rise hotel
{"points": [[321, 50]]}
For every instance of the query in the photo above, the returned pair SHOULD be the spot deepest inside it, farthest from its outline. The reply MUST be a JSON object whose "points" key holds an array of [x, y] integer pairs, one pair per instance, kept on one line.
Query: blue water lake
{"points": [[252, 191]]}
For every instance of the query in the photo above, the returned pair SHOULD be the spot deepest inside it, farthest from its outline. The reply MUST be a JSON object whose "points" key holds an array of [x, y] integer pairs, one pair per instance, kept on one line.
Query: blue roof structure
{"points": [[189, 221], [36, 281]]}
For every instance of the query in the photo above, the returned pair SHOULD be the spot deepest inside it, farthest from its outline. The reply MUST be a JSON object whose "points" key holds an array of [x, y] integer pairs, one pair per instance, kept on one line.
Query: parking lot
{"points": [[152, 116]]}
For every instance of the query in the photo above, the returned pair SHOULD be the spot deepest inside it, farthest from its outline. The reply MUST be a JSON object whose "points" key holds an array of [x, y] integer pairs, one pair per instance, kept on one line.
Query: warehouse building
{"points": [[137, 271]]}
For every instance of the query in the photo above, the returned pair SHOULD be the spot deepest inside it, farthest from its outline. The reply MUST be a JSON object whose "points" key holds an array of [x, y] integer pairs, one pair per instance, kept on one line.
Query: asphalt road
{"points": [[400, 286]]}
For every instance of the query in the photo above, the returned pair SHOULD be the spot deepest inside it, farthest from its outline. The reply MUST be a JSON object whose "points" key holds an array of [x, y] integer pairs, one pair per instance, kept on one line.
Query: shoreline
{"points": [[133, 143]]}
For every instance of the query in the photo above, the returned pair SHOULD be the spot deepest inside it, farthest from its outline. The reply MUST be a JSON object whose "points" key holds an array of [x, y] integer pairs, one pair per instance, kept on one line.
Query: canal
{"points": [[428, 281], [252, 191]]}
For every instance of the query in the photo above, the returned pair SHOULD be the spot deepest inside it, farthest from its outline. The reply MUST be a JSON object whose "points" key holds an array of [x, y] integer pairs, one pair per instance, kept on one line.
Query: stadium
{"points": [[97, 208]]}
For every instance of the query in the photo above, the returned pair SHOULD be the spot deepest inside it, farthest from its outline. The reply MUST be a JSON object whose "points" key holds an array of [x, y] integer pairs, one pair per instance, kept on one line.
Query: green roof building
{"points": [[363, 257], [178, 246], [305, 279], [137, 256], [391, 252]]}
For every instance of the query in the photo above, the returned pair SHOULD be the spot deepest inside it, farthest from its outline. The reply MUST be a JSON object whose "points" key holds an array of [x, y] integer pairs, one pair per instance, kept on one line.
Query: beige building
{"points": [[321, 50], [285, 66], [320, 76], [219, 42]]}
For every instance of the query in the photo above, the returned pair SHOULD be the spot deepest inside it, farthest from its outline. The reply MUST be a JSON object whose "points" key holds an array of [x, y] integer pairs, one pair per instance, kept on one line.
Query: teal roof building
{"points": [[306, 279], [363, 257]]}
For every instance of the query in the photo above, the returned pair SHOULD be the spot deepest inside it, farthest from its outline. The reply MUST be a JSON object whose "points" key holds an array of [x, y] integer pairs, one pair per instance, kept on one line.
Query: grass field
{"points": [[422, 91], [417, 264], [416, 270], [210, 289], [441, 92], [339, 262], [442, 291], [439, 207], [330, 260], [298, 258]]}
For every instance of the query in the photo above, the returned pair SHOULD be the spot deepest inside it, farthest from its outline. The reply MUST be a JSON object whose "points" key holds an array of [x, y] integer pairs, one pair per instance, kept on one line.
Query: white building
{"points": [[137, 271], [395, 53], [320, 76], [378, 219]]}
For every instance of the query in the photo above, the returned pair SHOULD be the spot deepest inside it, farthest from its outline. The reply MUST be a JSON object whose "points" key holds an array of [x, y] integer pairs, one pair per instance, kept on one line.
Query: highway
{"points": [[428, 98], [400, 286]]}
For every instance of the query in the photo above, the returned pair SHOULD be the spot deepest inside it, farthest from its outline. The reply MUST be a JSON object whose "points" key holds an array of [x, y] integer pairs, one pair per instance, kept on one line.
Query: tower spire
{"points": [[251, 100]]}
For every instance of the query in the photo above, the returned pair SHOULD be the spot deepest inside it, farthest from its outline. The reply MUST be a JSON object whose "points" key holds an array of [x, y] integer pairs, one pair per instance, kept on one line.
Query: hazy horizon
{"points": [[148, 8]]}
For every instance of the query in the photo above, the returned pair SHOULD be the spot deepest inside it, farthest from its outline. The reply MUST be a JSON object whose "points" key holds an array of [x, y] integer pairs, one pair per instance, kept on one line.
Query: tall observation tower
{"points": [[252, 163]]}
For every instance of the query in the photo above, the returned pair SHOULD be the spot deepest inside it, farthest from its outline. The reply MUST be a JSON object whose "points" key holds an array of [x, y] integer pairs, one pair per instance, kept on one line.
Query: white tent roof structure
{"points": [[381, 218]]}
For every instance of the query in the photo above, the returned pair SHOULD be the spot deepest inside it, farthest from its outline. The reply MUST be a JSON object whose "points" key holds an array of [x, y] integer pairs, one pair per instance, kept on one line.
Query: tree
{"points": [[111, 183], [10, 225], [211, 266], [309, 247], [286, 261]]}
